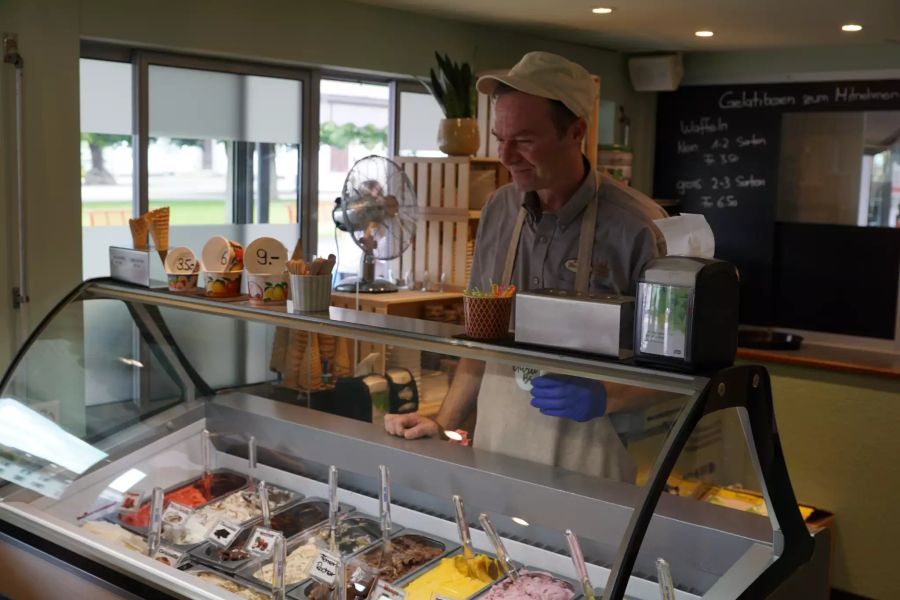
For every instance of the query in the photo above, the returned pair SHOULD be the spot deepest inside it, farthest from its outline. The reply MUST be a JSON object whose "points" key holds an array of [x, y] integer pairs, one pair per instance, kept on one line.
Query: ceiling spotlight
{"points": [[520, 521], [704, 33], [600, 10], [851, 27]]}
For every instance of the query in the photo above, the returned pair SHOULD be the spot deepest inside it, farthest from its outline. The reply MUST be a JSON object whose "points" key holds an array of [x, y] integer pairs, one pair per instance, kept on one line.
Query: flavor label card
{"points": [[223, 533], [168, 556], [131, 502], [262, 541], [177, 514], [325, 567], [385, 591]]}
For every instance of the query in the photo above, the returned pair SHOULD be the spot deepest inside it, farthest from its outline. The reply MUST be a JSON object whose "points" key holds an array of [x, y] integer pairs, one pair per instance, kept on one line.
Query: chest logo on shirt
{"points": [[601, 269]]}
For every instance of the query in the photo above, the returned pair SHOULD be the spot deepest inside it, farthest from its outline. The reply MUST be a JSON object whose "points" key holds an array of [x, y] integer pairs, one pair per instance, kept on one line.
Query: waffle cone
{"points": [[310, 373], [279, 350], [159, 229], [341, 357], [139, 230]]}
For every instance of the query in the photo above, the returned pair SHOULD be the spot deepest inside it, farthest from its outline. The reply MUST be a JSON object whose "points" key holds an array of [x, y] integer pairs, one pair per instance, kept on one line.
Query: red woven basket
{"points": [[487, 318]]}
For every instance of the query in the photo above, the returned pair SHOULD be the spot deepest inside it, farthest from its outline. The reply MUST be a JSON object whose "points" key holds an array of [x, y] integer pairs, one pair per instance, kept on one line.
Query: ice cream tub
{"points": [[267, 289], [223, 284], [447, 576], [538, 585], [355, 534], [413, 552], [193, 493], [221, 254], [292, 520], [182, 282], [242, 589], [240, 507]]}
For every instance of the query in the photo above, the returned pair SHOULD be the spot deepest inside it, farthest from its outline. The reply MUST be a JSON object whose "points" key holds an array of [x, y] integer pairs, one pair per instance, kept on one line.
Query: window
{"points": [[106, 157], [420, 115], [353, 120], [224, 147]]}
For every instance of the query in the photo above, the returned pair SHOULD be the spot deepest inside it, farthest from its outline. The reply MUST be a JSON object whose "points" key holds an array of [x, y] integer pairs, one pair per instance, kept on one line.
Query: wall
{"points": [[807, 64], [839, 434], [48, 40], [333, 33]]}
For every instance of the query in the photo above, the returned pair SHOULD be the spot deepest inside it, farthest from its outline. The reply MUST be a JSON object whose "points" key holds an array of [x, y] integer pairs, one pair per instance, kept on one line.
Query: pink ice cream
{"points": [[532, 585]]}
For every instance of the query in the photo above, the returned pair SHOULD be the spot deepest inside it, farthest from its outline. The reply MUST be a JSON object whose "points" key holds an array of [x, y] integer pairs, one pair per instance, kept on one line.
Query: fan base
{"points": [[376, 286]]}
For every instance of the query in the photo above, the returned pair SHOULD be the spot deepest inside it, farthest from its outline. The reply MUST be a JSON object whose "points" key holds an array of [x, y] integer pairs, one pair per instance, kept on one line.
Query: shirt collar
{"points": [[571, 209]]}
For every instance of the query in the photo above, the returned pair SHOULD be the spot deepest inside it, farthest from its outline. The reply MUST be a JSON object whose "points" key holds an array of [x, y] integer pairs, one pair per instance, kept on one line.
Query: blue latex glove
{"points": [[567, 396]]}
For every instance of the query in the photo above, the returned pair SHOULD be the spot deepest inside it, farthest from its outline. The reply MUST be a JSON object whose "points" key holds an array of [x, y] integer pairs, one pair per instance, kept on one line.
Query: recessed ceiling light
{"points": [[851, 27], [601, 10], [704, 33], [520, 521]]}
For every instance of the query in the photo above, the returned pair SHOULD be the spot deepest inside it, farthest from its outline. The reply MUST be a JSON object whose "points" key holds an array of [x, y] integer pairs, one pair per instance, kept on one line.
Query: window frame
{"points": [[310, 76]]}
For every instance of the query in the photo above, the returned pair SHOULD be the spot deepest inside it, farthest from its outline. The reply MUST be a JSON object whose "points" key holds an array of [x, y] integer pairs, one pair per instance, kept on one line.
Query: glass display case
{"points": [[124, 390]]}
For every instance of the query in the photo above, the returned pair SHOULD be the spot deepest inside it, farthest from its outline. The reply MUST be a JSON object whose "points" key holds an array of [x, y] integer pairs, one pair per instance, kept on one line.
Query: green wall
{"points": [[864, 61], [840, 439]]}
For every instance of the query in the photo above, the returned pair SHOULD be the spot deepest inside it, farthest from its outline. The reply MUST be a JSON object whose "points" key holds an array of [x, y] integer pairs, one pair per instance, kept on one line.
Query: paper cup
{"points": [[265, 255], [487, 318], [182, 282], [310, 293], [267, 290], [223, 284], [221, 254], [181, 261]]}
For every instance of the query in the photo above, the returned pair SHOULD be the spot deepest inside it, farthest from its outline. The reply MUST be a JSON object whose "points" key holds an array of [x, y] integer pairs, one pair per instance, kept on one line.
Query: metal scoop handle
{"points": [[154, 536], [263, 490], [580, 566], [465, 537], [664, 575], [506, 562]]}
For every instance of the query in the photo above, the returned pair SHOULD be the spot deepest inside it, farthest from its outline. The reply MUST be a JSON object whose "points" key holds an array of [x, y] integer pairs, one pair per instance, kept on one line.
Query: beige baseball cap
{"points": [[548, 76]]}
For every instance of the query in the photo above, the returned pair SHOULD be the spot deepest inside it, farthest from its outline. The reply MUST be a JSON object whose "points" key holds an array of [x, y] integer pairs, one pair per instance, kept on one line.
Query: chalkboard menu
{"points": [[717, 152]]}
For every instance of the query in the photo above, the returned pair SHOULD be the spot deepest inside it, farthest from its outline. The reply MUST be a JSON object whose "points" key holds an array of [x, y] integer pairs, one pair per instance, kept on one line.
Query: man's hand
{"points": [[567, 396], [412, 426]]}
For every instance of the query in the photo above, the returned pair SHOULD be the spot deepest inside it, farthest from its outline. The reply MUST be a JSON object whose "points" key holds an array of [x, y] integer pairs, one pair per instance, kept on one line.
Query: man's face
{"points": [[530, 145]]}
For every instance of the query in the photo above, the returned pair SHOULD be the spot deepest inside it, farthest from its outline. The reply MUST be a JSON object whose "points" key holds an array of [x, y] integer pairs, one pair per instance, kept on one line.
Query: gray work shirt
{"points": [[625, 238]]}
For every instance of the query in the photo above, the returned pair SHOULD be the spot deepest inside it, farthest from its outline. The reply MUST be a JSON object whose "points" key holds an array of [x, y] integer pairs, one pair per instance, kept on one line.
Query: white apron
{"points": [[508, 424]]}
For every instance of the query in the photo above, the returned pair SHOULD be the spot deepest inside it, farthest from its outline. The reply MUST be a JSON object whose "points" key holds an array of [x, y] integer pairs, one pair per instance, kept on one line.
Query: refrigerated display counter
{"points": [[120, 388]]}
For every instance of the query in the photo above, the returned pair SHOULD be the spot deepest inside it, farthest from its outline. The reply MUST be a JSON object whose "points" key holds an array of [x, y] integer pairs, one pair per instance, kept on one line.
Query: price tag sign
{"points": [[223, 533], [265, 256], [181, 260], [385, 591], [168, 556], [176, 514], [325, 567], [262, 541], [131, 502]]}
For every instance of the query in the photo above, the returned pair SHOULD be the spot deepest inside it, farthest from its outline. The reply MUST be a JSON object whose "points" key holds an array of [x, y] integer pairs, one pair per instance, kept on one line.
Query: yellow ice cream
{"points": [[451, 578]]}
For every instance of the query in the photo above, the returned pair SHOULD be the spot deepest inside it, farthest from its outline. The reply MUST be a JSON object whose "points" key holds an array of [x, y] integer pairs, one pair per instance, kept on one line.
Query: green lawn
{"points": [[183, 212]]}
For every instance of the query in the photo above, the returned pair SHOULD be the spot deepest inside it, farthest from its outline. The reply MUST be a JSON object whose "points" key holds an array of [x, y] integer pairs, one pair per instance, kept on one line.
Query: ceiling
{"points": [[654, 25]]}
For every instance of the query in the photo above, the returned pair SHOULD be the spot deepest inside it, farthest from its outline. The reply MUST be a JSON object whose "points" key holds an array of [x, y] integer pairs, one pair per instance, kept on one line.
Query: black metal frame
{"points": [[745, 388]]}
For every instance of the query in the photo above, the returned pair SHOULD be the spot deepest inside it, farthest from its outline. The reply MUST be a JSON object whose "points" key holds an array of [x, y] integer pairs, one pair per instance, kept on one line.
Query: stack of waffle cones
{"points": [[155, 223], [299, 357]]}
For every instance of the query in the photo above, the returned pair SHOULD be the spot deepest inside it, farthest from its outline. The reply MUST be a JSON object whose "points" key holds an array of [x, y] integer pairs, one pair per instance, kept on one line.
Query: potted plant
{"points": [[453, 86]]}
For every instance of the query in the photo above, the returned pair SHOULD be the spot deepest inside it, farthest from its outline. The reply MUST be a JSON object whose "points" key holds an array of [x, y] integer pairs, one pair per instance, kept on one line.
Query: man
{"points": [[558, 225]]}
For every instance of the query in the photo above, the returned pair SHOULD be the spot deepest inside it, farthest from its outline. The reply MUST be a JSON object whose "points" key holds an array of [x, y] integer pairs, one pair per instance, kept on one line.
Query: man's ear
{"points": [[578, 129]]}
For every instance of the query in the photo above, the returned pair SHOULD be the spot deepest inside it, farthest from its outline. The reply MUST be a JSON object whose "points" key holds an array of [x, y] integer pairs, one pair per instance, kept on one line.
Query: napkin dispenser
{"points": [[593, 323], [687, 313]]}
